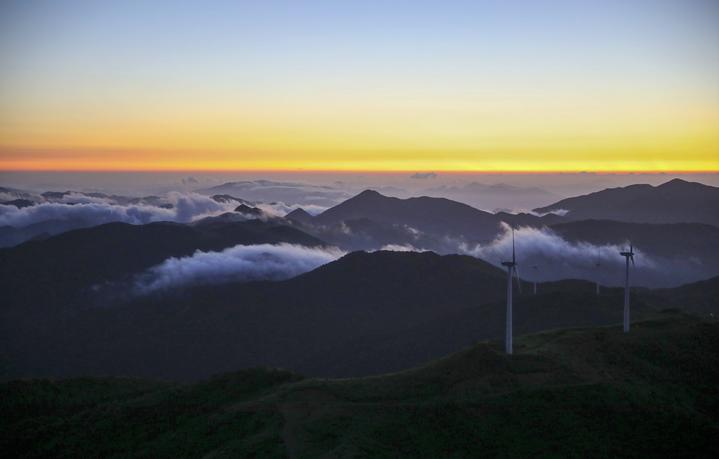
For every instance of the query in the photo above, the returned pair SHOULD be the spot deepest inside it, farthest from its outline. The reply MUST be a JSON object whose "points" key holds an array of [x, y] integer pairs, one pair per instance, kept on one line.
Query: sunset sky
{"points": [[630, 85]]}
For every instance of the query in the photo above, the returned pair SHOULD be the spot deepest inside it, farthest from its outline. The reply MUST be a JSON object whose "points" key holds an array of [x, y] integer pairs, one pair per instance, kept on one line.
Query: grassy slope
{"points": [[575, 393]]}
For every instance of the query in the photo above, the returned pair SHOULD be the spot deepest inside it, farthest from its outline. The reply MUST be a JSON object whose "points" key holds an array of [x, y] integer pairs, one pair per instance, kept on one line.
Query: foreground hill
{"points": [[287, 323], [366, 313], [571, 393], [676, 201]]}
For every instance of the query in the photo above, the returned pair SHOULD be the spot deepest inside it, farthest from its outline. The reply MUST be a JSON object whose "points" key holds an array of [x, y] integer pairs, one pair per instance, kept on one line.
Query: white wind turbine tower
{"points": [[511, 270], [627, 256]]}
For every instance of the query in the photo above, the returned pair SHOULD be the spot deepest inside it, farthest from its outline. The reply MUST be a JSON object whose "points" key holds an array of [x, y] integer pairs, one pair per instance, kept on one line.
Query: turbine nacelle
{"points": [[629, 254]]}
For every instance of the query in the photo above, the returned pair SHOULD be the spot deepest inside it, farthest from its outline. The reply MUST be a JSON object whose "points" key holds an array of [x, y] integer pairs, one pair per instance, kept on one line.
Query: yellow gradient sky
{"points": [[466, 86]]}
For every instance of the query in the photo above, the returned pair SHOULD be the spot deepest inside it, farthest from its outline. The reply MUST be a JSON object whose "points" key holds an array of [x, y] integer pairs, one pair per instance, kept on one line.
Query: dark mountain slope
{"points": [[588, 392], [433, 215], [47, 285], [695, 245], [366, 313], [64, 264], [676, 201], [299, 215], [700, 298], [371, 220], [279, 323]]}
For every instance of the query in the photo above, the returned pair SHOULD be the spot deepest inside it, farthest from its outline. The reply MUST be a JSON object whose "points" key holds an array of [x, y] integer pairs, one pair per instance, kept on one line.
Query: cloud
{"points": [[423, 175], [401, 248], [280, 209], [556, 258], [92, 211], [286, 192], [559, 212], [240, 263]]}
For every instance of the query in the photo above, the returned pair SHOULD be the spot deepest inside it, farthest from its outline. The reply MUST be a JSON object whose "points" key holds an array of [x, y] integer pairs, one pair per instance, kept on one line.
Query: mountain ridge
{"points": [[675, 201]]}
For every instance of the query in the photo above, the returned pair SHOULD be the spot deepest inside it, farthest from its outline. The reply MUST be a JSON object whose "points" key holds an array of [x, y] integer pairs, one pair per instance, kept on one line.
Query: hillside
{"points": [[690, 249], [592, 392], [366, 313], [676, 201], [370, 220], [432, 215], [59, 267]]}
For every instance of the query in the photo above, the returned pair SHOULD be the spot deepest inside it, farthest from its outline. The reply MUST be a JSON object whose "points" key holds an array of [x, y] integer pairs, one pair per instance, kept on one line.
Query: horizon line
{"points": [[373, 171]]}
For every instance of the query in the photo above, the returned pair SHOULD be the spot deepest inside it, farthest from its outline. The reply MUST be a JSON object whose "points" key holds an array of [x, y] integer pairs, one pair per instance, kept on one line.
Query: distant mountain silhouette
{"points": [[491, 197], [19, 203], [223, 198], [689, 241], [676, 201], [287, 192], [370, 220], [433, 215], [299, 215], [249, 210]]}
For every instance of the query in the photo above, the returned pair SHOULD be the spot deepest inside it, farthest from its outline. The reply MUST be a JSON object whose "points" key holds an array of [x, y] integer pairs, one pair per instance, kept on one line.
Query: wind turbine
{"points": [[511, 270], [627, 255], [535, 278], [597, 265]]}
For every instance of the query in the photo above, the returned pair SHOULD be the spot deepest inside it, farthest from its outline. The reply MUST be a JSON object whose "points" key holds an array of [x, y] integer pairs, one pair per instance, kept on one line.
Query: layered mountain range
{"points": [[76, 303]]}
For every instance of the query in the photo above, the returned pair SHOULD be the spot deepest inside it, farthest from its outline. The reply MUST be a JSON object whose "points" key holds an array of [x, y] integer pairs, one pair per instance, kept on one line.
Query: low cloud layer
{"points": [[280, 209], [291, 193], [543, 243], [543, 255], [240, 263], [185, 207], [77, 210]]}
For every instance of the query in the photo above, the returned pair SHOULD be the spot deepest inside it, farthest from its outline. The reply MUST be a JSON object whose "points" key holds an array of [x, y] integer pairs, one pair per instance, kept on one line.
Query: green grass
{"points": [[593, 392]]}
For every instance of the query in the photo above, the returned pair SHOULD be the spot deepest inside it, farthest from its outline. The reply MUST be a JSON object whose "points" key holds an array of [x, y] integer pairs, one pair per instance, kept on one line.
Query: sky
{"points": [[515, 86]]}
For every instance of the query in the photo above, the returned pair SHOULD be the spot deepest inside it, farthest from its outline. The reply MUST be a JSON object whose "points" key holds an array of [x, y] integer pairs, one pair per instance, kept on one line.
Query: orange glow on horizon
{"points": [[537, 167]]}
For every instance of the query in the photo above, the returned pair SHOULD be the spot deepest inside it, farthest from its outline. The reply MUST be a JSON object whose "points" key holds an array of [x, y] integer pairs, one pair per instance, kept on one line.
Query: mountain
{"points": [[286, 192], [432, 215], [364, 314], [495, 196], [692, 243], [701, 298], [676, 201], [250, 211], [371, 220], [57, 270], [593, 392], [225, 198], [299, 215], [11, 236], [19, 203], [244, 324]]}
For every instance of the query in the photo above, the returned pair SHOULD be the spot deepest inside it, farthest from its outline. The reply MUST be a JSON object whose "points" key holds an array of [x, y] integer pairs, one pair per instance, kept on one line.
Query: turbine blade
{"points": [[632, 258], [516, 276], [514, 260]]}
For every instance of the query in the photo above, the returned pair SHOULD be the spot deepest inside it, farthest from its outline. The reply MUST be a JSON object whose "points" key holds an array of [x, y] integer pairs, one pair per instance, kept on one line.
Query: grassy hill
{"points": [[593, 392]]}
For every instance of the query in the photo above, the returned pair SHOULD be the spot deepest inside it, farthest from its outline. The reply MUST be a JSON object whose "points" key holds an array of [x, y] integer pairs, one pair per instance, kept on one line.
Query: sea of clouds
{"points": [[241, 263]]}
